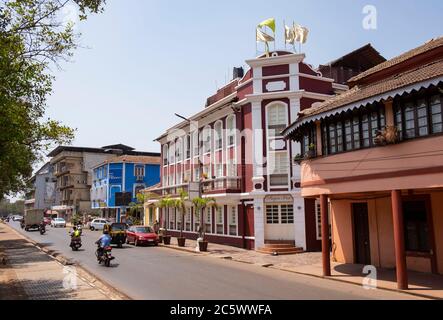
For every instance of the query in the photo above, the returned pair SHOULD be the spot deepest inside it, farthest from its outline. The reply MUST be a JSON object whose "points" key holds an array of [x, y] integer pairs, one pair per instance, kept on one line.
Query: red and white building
{"points": [[235, 148]]}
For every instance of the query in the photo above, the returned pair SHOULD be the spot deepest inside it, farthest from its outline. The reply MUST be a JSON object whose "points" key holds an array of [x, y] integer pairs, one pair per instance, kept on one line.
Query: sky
{"points": [[143, 60]]}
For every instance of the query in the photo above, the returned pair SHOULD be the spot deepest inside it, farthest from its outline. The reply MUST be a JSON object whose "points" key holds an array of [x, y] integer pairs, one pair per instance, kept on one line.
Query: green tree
{"points": [[33, 38], [200, 204], [164, 203], [180, 205]]}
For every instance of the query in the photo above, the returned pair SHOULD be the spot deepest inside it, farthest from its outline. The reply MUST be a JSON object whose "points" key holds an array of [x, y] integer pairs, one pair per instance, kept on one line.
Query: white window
{"points": [[172, 153], [171, 213], [219, 219], [208, 220], [277, 119], [207, 171], [219, 170], [207, 139], [179, 149], [196, 220], [195, 143], [139, 171], [278, 169], [197, 173], [230, 130], [318, 219], [165, 180], [188, 146], [218, 135], [280, 214], [231, 168], [232, 218], [171, 179], [179, 177], [165, 154], [187, 176], [188, 219]]}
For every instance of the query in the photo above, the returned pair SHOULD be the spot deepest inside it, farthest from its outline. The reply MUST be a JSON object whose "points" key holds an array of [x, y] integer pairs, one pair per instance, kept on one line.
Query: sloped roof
{"points": [[432, 44], [366, 56]]}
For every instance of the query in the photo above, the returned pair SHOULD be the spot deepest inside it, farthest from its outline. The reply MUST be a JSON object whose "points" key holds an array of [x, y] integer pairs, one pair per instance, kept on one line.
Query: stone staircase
{"points": [[278, 247]]}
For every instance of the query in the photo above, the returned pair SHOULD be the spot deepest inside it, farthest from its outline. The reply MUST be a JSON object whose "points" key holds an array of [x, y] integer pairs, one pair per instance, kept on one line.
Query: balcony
{"points": [[222, 184]]}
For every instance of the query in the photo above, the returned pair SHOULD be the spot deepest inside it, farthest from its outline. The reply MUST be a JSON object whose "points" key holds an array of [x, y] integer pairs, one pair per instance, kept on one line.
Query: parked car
{"points": [[58, 222], [141, 235], [97, 224], [17, 218]]}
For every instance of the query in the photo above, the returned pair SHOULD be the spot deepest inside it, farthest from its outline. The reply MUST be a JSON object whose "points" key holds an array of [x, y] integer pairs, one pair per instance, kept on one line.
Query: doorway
{"points": [[362, 247]]}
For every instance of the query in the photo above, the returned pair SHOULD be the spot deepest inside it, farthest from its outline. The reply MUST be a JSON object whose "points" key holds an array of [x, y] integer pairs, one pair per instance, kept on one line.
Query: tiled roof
{"points": [[432, 44], [357, 93]]}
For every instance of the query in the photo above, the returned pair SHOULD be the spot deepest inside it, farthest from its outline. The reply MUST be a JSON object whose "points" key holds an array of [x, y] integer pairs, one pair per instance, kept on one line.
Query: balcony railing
{"points": [[233, 184]]}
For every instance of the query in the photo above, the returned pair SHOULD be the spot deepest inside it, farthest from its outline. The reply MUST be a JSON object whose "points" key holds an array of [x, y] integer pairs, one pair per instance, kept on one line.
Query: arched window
{"points": [[165, 154], [172, 153], [195, 144], [207, 139], [218, 136], [188, 146], [230, 130], [277, 119], [179, 149]]}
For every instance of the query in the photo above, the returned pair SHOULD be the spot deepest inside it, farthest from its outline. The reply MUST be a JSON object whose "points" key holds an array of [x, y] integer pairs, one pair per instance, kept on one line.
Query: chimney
{"points": [[238, 73]]}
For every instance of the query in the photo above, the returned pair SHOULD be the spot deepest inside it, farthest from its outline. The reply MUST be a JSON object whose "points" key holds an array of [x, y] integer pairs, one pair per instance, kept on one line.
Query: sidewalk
{"points": [[420, 284], [31, 274]]}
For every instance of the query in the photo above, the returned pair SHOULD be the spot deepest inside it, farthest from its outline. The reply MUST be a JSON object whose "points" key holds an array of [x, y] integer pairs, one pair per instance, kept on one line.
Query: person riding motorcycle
{"points": [[75, 233], [103, 242]]}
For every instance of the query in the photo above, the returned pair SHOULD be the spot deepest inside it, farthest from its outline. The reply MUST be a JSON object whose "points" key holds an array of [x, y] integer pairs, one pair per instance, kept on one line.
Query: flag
{"points": [[263, 37], [270, 23], [289, 35], [301, 33]]}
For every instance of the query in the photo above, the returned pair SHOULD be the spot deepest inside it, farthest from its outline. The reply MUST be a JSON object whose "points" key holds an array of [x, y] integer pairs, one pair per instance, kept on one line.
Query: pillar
{"points": [[326, 255], [399, 240]]}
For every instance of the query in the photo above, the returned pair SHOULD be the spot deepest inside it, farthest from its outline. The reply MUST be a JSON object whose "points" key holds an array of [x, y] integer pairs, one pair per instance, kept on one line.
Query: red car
{"points": [[141, 235]]}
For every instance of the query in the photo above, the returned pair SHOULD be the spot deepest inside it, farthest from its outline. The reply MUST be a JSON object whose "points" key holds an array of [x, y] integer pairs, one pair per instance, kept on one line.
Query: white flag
{"points": [[263, 37]]}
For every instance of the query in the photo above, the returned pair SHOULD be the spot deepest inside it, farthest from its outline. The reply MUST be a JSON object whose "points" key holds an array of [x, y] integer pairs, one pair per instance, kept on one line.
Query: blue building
{"points": [[122, 174]]}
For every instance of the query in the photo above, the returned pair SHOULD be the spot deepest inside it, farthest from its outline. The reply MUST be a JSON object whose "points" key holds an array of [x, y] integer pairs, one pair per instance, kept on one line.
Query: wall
{"points": [[381, 233]]}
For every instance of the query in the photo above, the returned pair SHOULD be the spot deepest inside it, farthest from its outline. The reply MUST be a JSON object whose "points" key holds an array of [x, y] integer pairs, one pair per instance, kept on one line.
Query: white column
{"points": [[257, 136], [299, 221], [259, 222], [257, 81], [295, 146], [294, 83]]}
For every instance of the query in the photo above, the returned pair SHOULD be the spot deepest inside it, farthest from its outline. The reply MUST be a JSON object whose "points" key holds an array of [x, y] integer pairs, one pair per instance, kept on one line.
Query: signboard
{"points": [[115, 175], [123, 198], [283, 198]]}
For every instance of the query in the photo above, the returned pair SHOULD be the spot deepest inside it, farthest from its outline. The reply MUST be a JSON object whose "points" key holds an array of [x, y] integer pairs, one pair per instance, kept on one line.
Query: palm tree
{"points": [[201, 204], [180, 205], [166, 202]]}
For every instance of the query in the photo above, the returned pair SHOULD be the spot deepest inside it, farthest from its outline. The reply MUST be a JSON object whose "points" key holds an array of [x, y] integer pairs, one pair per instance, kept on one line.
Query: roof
{"points": [[132, 159], [358, 95], [365, 57], [434, 43], [124, 150]]}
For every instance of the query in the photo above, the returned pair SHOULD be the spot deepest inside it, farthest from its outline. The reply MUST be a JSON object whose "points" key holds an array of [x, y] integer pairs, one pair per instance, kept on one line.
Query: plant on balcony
{"points": [[204, 176], [200, 204], [298, 158], [180, 205], [389, 135], [164, 203], [310, 153]]}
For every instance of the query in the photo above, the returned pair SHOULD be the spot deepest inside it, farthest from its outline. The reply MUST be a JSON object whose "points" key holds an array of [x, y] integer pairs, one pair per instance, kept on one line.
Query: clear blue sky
{"points": [[144, 60]]}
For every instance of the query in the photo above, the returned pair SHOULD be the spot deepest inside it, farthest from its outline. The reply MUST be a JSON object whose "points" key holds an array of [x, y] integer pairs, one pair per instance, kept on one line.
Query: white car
{"points": [[17, 218], [58, 222], [97, 224]]}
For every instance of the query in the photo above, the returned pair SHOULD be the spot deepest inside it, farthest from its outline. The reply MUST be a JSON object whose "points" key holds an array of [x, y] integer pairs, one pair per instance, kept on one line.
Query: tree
{"points": [[180, 205], [33, 38], [200, 204], [166, 202]]}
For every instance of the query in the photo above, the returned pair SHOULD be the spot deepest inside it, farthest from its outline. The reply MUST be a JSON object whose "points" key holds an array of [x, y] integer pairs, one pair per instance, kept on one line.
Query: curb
{"points": [[69, 262], [271, 266]]}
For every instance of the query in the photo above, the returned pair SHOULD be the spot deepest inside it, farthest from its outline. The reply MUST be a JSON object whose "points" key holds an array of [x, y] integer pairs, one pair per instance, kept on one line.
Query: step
{"points": [[280, 253], [279, 245], [291, 242]]}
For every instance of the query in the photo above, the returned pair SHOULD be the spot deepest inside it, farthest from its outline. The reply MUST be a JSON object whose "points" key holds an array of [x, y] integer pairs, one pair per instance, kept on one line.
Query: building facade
{"points": [[378, 165], [233, 149], [122, 174], [73, 170], [43, 194]]}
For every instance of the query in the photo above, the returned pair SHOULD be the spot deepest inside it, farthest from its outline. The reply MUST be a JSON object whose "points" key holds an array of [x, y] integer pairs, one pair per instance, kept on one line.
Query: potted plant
{"points": [[298, 158], [200, 204], [166, 202], [180, 205], [204, 176], [310, 153]]}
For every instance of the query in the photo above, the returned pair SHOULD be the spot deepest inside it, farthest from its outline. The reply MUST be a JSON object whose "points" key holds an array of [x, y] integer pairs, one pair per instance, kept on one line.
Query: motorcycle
{"points": [[76, 243], [42, 228], [105, 255]]}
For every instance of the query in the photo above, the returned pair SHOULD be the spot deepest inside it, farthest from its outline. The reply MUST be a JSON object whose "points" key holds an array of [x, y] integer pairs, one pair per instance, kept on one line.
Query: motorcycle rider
{"points": [[103, 242]]}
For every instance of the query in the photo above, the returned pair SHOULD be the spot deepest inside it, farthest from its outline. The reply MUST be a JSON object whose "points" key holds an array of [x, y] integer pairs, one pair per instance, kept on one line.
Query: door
{"points": [[361, 233]]}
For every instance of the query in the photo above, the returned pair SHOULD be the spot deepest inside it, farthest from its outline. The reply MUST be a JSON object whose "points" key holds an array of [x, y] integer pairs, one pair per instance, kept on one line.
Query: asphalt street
{"points": [[167, 274]]}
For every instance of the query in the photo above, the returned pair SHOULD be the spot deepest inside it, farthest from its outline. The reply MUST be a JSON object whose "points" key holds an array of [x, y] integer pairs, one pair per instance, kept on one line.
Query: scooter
{"points": [[76, 243], [42, 228], [105, 256]]}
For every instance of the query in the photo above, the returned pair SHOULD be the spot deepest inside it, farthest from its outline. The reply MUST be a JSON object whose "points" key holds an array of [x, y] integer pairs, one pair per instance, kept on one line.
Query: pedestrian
{"points": [[156, 226]]}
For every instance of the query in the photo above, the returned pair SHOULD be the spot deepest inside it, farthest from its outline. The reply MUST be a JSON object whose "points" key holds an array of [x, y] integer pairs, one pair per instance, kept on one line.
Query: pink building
{"points": [[235, 149]]}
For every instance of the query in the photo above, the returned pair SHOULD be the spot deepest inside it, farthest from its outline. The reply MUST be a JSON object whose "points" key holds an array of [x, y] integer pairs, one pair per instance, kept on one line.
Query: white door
{"points": [[279, 222]]}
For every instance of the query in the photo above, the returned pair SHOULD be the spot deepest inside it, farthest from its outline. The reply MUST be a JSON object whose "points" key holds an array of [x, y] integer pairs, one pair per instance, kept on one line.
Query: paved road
{"points": [[162, 273]]}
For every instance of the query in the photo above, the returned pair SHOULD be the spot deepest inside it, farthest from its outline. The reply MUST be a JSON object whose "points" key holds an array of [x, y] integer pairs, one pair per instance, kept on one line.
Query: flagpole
{"points": [[284, 26]]}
